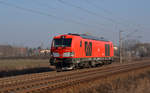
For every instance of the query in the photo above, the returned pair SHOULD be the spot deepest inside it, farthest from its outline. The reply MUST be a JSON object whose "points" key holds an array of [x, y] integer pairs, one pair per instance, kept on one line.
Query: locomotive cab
{"points": [[62, 52]]}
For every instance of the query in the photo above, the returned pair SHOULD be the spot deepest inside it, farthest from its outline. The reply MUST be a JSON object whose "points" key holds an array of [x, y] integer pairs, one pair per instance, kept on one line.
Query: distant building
{"points": [[45, 52], [6, 50], [142, 49], [9, 51]]}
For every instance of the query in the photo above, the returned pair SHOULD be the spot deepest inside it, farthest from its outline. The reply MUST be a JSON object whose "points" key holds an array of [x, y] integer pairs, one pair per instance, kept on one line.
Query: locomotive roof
{"points": [[89, 37]]}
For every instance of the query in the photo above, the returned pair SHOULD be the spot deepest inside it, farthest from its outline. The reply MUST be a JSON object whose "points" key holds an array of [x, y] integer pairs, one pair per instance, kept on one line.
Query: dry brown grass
{"points": [[137, 81], [20, 64]]}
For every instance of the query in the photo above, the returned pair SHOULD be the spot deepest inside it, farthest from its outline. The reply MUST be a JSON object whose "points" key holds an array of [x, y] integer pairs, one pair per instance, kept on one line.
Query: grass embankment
{"points": [[137, 81], [20, 64]]}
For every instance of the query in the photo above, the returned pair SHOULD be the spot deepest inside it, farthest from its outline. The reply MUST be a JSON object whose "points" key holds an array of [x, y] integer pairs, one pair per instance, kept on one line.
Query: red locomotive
{"points": [[71, 51]]}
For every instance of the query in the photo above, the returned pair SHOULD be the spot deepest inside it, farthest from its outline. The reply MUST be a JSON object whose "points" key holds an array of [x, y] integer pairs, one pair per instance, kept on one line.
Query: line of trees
{"points": [[13, 51]]}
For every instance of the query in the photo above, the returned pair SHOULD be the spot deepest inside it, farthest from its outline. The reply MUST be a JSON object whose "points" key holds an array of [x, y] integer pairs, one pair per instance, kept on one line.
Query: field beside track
{"points": [[13, 67], [20, 64]]}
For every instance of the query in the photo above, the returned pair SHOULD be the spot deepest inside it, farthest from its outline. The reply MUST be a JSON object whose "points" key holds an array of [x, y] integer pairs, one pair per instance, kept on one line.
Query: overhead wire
{"points": [[90, 12], [79, 17], [106, 11], [96, 14], [98, 7], [43, 4], [130, 34], [90, 2], [131, 25], [43, 13]]}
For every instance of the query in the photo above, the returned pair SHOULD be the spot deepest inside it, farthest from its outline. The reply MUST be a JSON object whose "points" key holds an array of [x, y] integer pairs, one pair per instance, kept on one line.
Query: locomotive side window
{"points": [[63, 42], [86, 48], [80, 43], [90, 49], [107, 50]]}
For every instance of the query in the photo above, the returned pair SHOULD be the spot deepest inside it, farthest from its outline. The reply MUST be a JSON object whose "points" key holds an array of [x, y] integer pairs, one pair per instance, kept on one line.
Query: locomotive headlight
{"points": [[68, 54], [55, 54]]}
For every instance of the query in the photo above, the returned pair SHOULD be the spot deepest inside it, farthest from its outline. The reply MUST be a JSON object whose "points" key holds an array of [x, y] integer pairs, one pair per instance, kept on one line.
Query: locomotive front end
{"points": [[62, 53]]}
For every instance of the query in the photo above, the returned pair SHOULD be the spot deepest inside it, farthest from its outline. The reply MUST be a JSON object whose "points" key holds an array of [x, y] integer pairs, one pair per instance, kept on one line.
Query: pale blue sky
{"points": [[21, 26]]}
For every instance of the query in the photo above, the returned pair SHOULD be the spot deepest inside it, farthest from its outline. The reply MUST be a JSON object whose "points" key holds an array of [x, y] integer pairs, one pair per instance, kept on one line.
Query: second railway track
{"points": [[47, 82]]}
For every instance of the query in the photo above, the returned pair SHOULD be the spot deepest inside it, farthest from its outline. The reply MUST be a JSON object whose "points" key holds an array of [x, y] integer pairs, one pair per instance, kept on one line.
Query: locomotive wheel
{"points": [[58, 69], [74, 67], [110, 62], [92, 64]]}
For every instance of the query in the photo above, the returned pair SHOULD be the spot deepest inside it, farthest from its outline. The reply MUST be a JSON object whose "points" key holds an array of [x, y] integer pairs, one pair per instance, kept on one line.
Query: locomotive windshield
{"points": [[63, 42]]}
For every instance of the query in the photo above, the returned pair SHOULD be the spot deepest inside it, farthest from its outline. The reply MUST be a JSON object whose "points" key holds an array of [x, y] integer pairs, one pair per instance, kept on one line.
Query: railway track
{"points": [[45, 81], [11, 81]]}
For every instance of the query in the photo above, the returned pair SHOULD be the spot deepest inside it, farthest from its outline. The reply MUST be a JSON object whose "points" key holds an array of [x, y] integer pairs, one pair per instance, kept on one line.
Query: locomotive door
{"points": [[80, 49]]}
